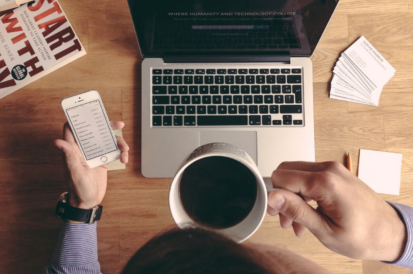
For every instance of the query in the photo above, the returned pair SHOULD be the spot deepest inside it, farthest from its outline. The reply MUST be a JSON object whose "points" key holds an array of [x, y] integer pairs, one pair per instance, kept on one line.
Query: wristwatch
{"points": [[67, 212]]}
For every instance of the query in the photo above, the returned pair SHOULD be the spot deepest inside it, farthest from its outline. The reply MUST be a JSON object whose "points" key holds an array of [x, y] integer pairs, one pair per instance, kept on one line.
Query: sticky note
{"points": [[381, 171]]}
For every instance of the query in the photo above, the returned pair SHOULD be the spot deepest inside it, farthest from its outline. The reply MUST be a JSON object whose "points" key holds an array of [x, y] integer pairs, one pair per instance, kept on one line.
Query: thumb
{"points": [[68, 151], [295, 208]]}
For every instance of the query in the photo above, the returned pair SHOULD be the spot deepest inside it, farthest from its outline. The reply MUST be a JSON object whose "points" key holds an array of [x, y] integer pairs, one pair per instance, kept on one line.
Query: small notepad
{"points": [[116, 164], [381, 170]]}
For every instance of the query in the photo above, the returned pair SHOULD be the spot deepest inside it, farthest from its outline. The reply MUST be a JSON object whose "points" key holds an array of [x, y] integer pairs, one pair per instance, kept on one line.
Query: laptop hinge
{"points": [[228, 59]]}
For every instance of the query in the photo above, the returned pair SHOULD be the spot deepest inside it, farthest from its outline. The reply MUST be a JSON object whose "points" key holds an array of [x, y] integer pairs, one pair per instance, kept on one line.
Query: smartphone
{"points": [[91, 127]]}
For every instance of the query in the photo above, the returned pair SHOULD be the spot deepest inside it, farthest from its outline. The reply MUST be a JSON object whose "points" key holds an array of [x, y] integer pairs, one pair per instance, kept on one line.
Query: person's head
{"points": [[195, 251]]}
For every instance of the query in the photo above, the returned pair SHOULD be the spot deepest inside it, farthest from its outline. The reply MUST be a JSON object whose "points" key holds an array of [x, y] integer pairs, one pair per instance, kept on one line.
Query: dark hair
{"points": [[195, 251]]}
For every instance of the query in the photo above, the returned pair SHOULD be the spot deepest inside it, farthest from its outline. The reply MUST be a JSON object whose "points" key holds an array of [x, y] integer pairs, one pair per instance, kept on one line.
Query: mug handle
{"points": [[269, 186]]}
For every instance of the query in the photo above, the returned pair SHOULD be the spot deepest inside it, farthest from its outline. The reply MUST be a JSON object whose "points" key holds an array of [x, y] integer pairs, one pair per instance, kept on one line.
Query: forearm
{"points": [[406, 212], [76, 250]]}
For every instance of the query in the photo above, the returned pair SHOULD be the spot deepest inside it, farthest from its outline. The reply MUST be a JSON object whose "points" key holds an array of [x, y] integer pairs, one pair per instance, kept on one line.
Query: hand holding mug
{"points": [[351, 219]]}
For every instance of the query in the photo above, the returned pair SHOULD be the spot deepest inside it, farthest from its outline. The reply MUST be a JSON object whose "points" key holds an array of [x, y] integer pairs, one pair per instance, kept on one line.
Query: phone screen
{"points": [[92, 129]]}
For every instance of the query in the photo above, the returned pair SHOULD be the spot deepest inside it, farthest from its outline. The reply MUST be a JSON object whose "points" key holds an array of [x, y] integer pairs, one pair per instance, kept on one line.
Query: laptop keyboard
{"points": [[227, 97]]}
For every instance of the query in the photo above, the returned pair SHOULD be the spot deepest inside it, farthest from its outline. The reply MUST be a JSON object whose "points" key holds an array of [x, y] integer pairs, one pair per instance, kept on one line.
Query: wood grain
{"points": [[136, 208]]}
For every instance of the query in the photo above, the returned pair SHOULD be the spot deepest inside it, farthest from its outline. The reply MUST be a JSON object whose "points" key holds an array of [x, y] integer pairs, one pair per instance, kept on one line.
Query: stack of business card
{"points": [[360, 74]]}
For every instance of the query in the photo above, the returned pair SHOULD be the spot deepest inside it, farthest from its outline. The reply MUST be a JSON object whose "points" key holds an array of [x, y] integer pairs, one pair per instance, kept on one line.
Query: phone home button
{"points": [[104, 159]]}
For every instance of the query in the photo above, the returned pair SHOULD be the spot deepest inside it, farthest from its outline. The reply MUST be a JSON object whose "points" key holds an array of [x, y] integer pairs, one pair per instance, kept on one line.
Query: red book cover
{"points": [[35, 39]]}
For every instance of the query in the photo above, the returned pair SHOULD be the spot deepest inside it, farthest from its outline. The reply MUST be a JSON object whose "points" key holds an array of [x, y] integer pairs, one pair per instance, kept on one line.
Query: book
{"points": [[35, 39], [11, 4]]}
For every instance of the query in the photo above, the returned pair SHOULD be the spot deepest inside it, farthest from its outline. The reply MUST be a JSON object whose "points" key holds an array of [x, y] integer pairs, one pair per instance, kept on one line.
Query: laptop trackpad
{"points": [[245, 140]]}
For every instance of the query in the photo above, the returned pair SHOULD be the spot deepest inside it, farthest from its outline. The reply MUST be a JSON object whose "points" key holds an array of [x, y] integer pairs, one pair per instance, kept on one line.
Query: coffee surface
{"points": [[218, 192]]}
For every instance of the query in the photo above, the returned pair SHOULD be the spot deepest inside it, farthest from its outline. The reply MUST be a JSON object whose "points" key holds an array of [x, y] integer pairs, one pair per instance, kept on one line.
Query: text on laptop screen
{"points": [[166, 27]]}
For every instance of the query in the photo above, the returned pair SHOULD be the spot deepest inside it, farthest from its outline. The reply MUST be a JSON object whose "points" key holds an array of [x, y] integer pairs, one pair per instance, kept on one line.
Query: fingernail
{"points": [[276, 202], [272, 211]]}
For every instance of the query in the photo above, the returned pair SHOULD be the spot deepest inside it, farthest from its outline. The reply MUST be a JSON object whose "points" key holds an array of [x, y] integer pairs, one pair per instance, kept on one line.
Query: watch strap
{"points": [[65, 211]]}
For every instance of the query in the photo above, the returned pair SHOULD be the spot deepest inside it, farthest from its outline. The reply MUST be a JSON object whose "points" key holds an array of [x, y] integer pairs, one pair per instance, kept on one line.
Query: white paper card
{"points": [[343, 87], [381, 170], [360, 74], [370, 61]]}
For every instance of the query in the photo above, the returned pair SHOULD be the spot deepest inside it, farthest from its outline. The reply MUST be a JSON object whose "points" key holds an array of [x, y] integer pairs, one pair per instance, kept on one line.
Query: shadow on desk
{"points": [[31, 180]]}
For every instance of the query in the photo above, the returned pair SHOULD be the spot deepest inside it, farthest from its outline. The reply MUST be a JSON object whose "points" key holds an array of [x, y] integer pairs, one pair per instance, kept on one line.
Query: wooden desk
{"points": [[136, 208]]}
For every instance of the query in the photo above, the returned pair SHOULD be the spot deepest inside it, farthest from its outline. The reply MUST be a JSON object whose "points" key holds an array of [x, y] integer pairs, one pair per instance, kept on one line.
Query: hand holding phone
{"points": [[87, 186], [90, 125]]}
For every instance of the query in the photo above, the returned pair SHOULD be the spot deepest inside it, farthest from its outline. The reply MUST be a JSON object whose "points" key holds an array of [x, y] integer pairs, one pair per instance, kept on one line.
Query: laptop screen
{"points": [[230, 27]]}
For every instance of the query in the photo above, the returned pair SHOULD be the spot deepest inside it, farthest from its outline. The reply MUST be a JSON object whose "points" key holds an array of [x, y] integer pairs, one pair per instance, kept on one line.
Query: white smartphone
{"points": [[91, 127]]}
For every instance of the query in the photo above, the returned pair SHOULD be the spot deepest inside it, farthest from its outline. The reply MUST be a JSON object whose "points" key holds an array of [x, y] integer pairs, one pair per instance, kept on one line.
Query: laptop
{"points": [[232, 71]]}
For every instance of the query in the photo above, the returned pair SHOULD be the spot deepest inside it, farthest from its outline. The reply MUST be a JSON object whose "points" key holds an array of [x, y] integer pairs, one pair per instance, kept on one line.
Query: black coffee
{"points": [[218, 192]]}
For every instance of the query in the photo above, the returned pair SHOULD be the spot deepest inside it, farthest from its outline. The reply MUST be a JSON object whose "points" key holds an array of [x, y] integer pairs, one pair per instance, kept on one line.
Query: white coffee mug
{"points": [[247, 227]]}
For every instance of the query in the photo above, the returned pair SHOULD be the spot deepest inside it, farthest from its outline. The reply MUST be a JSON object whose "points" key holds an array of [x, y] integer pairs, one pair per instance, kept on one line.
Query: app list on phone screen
{"points": [[92, 129]]}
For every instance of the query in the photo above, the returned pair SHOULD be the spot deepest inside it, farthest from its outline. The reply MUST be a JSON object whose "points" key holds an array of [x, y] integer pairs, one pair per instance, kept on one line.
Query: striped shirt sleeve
{"points": [[406, 260], [76, 251]]}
